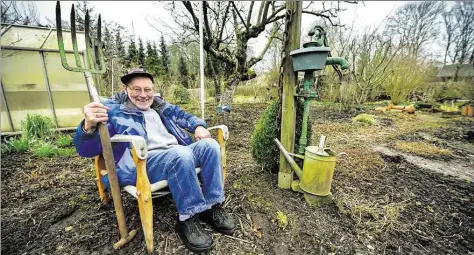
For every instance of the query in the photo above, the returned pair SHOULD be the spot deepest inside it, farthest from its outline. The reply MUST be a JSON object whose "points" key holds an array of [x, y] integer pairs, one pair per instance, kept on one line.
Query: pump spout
{"points": [[338, 61], [288, 158]]}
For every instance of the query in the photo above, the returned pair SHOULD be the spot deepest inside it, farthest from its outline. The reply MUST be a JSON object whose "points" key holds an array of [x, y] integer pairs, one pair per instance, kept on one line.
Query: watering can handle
{"points": [[322, 141]]}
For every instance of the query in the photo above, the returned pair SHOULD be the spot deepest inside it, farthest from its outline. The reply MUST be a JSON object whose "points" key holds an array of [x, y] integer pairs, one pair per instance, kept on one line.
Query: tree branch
{"points": [[260, 10], [206, 22], [310, 3], [254, 31], [249, 16], [189, 7], [274, 18], [224, 18], [265, 12], [207, 45], [238, 13], [320, 14], [255, 60], [219, 55]]}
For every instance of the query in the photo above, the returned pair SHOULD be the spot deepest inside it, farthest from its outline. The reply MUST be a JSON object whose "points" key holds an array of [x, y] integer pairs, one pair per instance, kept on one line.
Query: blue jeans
{"points": [[177, 165]]}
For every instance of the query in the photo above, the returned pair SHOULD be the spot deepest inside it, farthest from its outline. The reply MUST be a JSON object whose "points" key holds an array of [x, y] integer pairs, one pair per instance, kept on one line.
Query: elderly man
{"points": [[172, 155]]}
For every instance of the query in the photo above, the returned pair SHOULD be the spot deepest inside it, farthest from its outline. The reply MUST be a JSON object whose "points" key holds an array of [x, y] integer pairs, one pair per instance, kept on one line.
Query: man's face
{"points": [[140, 91]]}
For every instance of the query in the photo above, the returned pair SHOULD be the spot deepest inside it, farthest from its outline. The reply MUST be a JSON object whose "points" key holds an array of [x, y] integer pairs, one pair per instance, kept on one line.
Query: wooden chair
{"points": [[144, 191]]}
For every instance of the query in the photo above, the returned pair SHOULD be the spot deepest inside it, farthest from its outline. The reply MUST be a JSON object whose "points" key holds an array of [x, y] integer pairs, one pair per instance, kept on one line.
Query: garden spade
{"points": [[95, 64]]}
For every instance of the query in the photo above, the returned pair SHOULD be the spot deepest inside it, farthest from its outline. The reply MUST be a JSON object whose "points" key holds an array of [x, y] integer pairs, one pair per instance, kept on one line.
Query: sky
{"points": [[369, 13]]}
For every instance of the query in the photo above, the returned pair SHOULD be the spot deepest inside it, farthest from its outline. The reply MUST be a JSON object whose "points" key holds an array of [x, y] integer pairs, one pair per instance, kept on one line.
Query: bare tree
{"points": [[228, 28], [19, 13], [65, 24], [372, 56], [415, 25], [464, 16], [459, 22], [450, 27]]}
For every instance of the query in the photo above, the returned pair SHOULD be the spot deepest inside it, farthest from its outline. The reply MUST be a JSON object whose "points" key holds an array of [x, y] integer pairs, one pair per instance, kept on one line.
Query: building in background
{"points": [[447, 72]]}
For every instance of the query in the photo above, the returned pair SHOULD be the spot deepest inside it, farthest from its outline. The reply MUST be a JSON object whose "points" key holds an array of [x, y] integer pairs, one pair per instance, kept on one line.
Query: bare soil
{"points": [[394, 206]]}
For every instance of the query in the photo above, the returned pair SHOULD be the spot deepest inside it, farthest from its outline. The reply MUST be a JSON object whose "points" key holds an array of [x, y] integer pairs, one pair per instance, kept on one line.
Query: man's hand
{"points": [[94, 113], [201, 133]]}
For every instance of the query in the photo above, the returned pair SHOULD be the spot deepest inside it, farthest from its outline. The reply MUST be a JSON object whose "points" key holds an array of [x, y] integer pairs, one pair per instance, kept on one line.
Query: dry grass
{"points": [[408, 123], [422, 149], [373, 215], [346, 134], [369, 216], [338, 135], [334, 129], [359, 162]]}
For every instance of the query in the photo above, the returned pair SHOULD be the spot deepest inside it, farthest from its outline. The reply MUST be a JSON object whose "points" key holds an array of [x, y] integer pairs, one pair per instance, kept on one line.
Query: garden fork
{"points": [[95, 64]]}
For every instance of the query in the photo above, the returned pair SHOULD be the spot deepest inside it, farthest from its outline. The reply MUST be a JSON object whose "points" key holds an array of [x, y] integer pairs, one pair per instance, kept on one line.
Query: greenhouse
{"points": [[33, 80]]}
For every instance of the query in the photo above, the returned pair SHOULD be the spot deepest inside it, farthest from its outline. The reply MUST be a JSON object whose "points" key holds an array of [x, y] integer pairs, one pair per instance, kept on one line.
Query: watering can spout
{"points": [[288, 158]]}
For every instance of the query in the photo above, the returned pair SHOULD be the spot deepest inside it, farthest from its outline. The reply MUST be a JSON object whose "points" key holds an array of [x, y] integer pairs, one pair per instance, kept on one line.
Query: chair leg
{"points": [[222, 142], [99, 164], [145, 203]]}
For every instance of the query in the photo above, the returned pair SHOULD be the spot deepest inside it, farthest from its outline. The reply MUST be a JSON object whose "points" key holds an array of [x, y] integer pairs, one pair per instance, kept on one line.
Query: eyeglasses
{"points": [[138, 91]]}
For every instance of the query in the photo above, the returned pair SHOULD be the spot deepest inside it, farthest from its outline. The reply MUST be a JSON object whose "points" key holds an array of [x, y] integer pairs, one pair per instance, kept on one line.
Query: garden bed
{"points": [[383, 203]]}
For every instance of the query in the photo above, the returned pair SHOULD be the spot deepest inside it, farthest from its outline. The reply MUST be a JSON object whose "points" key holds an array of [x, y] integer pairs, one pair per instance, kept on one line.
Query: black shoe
{"points": [[219, 220], [193, 235]]}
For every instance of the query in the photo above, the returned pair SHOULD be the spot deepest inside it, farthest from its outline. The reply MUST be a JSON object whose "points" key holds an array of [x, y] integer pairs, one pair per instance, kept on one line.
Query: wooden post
{"points": [[285, 174]]}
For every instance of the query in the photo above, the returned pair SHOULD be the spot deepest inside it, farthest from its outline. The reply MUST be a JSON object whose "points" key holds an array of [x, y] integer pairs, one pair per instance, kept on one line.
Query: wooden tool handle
{"points": [[109, 161]]}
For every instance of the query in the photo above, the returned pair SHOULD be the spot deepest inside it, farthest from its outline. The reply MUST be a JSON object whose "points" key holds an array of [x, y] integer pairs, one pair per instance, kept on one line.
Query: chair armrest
{"points": [[224, 129], [137, 141], [222, 136]]}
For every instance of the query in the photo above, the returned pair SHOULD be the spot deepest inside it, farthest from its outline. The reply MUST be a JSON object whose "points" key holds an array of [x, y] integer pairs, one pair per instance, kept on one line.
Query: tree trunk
{"points": [[456, 73], [217, 82], [225, 104], [217, 88]]}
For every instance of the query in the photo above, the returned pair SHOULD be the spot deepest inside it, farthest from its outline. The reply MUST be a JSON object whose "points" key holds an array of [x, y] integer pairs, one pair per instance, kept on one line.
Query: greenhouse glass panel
{"points": [[24, 84], [69, 90], [52, 42], [5, 121], [25, 37]]}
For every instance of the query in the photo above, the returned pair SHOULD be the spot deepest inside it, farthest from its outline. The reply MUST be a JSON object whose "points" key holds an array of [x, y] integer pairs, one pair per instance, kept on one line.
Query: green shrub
{"points": [[467, 90], [264, 150], [37, 126], [282, 219], [19, 145], [210, 91], [407, 76], [365, 119], [345, 94], [181, 95], [5, 148], [449, 89], [251, 90], [44, 149], [449, 107], [64, 141], [66, 152]]}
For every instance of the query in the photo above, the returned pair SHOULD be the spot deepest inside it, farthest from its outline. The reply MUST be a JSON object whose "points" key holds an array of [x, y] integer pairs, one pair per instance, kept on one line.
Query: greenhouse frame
{"points": [[33, 80]]}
